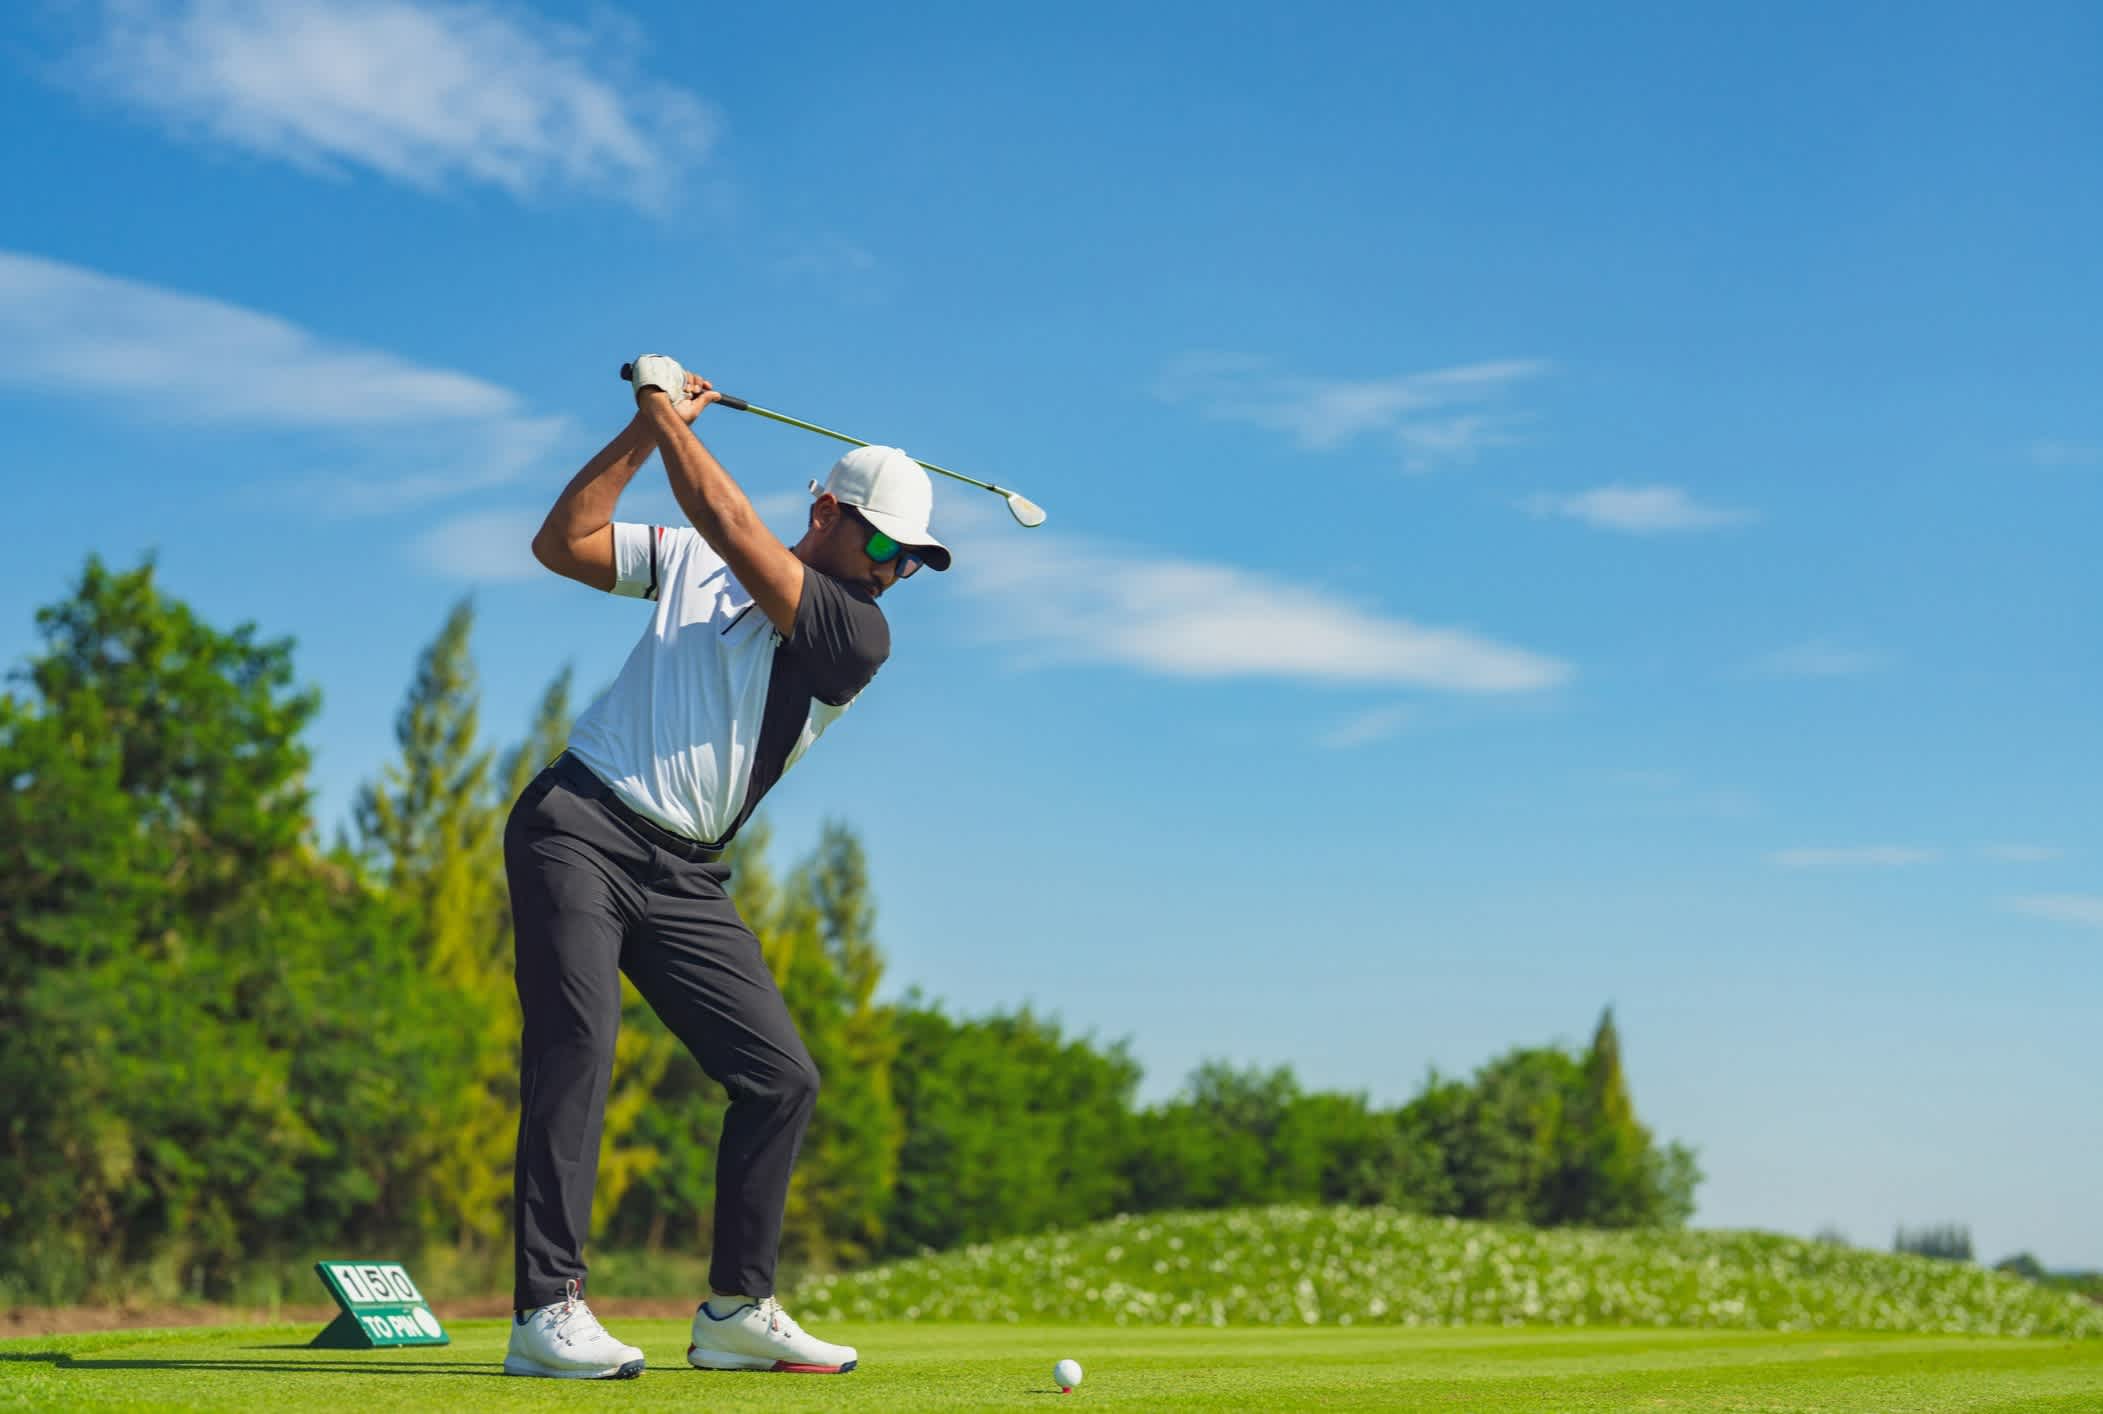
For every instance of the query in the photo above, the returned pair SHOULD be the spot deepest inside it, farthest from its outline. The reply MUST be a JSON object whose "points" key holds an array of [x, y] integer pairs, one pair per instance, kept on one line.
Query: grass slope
{"points": [[929, 1366], [1358, 1266]]}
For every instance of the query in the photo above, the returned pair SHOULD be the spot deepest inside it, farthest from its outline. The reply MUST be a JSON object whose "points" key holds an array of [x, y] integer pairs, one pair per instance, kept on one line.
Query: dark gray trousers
{"points": [[593, 896]]}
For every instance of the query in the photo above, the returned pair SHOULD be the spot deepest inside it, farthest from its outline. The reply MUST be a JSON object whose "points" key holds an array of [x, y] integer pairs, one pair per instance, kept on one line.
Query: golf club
{"points": [[1026, 512]]}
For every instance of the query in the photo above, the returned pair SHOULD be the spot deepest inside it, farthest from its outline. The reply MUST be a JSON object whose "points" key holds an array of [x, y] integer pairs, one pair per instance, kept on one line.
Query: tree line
{"points": [[224, 1042]]}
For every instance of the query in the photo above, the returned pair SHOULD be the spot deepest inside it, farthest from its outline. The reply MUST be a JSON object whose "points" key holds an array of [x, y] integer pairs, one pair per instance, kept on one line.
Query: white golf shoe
{"points": [[566, 1342], [760, 1336]]}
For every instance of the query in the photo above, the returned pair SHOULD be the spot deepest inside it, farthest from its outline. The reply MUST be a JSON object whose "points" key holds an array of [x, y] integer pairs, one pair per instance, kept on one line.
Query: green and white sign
{"points": [[381, 1306]]}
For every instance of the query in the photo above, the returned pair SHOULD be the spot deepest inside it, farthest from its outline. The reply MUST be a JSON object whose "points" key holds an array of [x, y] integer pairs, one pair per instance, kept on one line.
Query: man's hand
{"points": [[654, 373], [699, 394]]}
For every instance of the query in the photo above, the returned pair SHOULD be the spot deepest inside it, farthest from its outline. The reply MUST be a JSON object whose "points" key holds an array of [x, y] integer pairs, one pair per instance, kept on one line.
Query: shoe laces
{"points": [[779, 1320], [577, 1324]]}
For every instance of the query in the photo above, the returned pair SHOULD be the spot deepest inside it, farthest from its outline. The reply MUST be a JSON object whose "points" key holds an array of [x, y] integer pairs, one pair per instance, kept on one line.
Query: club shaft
{"points": [[783, 417], [1021, 505]]}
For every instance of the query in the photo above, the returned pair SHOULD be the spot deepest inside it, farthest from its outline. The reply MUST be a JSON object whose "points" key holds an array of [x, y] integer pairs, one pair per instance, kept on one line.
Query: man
{"points": [[612, 855]]}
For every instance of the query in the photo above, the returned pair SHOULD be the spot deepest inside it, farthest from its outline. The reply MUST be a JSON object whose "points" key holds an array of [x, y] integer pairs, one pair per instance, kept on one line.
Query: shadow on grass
{"points": [[65, 1360]]}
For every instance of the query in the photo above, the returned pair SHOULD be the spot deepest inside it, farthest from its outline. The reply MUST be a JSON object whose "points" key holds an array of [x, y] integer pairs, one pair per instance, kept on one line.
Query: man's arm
{"points": [[719, 509], [576, 540]]}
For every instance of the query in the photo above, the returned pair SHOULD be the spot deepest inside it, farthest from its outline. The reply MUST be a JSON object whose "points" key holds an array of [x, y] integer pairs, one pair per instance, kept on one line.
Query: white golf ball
{"points": [[1067, 1373]]}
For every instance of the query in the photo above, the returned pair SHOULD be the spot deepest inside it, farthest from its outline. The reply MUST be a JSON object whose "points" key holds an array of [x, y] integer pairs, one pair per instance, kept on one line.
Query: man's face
{"points": [[845, 549]]}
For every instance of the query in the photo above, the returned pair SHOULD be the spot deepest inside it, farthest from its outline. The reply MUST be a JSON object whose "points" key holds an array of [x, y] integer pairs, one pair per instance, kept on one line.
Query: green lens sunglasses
{"points": [[882, 548]]}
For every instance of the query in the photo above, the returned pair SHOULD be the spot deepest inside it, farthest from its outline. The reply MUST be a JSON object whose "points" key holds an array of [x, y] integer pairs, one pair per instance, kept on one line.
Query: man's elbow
{"points": [[551, 551]]}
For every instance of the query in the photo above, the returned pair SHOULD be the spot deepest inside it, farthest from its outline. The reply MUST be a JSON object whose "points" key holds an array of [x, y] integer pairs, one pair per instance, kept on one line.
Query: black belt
{"points": [[584, 781]]}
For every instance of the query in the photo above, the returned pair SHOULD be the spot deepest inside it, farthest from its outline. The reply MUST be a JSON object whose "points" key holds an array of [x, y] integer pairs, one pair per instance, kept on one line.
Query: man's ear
{"points": [[825, 512]]}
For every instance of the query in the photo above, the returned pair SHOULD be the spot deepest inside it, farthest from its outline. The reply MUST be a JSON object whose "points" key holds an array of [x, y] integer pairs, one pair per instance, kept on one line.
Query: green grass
{"points": [[1360, 1266], [927, 1366]]}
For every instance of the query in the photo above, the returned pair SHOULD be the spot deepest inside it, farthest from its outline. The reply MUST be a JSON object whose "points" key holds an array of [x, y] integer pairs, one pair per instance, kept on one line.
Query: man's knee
{"points": [[800, 1083], [791, 1084]]}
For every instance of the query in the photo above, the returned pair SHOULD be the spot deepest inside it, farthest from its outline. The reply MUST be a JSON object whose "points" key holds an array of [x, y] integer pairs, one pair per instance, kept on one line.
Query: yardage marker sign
{"points": [[381, 1306]]}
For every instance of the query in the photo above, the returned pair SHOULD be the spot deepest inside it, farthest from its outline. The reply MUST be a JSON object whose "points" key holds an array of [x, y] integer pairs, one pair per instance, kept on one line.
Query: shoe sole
{"points": [[515, 1366], [725, 1362]]}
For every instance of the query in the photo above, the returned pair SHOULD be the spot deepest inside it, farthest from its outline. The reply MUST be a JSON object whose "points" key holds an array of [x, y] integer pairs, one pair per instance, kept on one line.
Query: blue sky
{"points": [[1545, 511]]}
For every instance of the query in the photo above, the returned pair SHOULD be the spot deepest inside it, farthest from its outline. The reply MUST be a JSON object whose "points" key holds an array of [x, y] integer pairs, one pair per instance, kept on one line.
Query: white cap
{"points": [[893, 493]]}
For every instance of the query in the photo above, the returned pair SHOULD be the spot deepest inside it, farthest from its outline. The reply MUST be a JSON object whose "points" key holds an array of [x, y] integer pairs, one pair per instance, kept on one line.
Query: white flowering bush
{"points": [[1349, 1266]]}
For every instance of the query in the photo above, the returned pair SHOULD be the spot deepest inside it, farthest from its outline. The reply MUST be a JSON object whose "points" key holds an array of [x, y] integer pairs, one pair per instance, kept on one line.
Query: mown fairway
{"points": [[1009, 1366]]}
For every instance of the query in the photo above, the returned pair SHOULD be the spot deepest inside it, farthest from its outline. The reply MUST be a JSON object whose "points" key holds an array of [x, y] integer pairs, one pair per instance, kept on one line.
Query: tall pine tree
{"points": [[430, 826]]}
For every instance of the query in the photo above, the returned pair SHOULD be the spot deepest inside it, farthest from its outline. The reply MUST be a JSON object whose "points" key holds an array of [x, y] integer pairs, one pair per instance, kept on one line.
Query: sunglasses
{"points": [[882, 548]]}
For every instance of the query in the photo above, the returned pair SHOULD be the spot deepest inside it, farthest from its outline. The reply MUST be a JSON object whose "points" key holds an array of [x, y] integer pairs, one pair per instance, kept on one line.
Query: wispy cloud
{"points": [[1872, 856], [187, 358], [425, 94], [1073, 600], [1819, 658], [2023, 853], [1635, 510], [1428, 419], [482, 546], [182, 358], [2057, 453], [1655, 791], [1365, 728], [2085, 910], [826, 255], [830, 263]]}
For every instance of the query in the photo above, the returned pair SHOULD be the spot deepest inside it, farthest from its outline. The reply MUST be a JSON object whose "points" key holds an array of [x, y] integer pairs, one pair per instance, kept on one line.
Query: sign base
{"points": [[381, 1307]]}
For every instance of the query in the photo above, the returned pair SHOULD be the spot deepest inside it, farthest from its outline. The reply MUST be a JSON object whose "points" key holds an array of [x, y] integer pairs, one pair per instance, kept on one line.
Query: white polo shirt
{"points": [[714, 705]]}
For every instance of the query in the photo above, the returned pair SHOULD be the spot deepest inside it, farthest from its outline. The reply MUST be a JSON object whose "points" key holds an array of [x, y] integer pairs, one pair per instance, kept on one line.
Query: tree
{"points": [[830, 969], [1948, 1242], [210, 1048], [432, 829], [1010, 1127], [427, 823], [1543, 1137], [2023, 1265], [546, 738], [1225, 1142], [1607, 1167]]}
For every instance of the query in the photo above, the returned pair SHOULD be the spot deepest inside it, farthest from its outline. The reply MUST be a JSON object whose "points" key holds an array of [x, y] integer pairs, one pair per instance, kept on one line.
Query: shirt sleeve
{"points": [[640, 555], [840, 636]]}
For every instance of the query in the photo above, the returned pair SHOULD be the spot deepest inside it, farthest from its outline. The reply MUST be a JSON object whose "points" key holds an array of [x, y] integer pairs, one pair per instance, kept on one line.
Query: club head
{"points": [[1025, 511]]}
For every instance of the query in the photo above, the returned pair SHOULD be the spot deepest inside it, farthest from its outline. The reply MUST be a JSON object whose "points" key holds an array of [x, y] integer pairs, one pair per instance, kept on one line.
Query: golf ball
{"points": [[1067, 1373]]}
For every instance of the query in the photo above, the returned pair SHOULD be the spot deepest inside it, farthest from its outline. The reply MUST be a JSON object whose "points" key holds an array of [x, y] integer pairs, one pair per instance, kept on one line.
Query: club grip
{"points": [[722, 399]]}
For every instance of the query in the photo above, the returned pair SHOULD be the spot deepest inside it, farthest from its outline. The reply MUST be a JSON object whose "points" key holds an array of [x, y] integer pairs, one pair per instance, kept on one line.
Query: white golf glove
{"points": [[657, 371]]}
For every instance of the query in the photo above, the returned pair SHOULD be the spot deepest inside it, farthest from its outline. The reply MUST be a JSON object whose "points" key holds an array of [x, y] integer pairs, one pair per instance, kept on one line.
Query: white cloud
{"points": [[181, 358], [2056, 453], [424, 94], [2085, 910], [1079, 601], [1819, 658], [187, 358], [1879, 856], [1636, 510], [1413, 412], [2022, 853], [1373, 724], [483, 546]]}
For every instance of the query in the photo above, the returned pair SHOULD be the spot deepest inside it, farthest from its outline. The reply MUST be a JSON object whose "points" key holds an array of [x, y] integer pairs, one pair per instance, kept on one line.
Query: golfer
{"points": [[752, 651]]}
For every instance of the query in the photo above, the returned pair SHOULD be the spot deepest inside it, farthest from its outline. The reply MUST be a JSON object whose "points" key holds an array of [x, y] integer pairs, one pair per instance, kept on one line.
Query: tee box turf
{"points": [[381, 1306]]}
